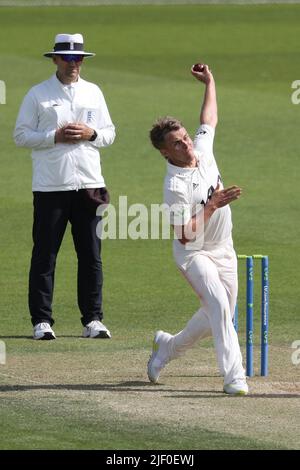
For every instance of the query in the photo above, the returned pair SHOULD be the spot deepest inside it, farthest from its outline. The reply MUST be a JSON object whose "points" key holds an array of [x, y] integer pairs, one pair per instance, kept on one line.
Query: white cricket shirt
{"points": [[187, 190], [50, 105]]}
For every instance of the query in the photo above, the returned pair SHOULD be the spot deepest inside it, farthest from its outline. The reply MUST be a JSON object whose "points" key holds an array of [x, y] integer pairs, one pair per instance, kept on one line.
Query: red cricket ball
{"points": [[198, 68]]}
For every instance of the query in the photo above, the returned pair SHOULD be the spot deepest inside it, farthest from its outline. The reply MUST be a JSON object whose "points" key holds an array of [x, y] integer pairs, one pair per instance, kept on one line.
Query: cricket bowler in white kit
{"points": [[203, 250]]}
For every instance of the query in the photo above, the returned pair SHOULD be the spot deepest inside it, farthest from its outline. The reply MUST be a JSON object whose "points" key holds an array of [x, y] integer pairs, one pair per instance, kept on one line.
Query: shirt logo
{"points": [[195, 185], [89, 116], [201, 132], [210, 191]]}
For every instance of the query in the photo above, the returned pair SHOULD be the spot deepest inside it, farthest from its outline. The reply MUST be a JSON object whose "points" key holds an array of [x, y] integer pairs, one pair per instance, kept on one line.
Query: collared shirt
{"points": [[50, 105], [187, 190]]}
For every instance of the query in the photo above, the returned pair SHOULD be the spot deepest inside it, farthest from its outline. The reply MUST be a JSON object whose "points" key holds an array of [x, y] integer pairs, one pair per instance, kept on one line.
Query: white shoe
{"points": [[96, 329], [159, 357], [43, 331], [237, 387]]}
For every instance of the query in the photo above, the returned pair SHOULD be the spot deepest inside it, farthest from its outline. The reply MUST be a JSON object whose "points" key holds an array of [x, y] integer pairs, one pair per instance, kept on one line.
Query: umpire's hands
{"points": [[73, 133]]}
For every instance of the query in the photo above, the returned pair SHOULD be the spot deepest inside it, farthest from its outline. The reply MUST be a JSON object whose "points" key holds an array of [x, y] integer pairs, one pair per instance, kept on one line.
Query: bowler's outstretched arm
{"points": [[209, 110]]}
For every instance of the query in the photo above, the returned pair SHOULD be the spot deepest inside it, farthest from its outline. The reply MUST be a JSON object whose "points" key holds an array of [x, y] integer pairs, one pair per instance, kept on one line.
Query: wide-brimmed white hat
{"points": [[68, 44]]}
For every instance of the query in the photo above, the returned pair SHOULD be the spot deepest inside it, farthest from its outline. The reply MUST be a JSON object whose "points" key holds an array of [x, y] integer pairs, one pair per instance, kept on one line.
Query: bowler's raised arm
{"points": [[209, 110]]}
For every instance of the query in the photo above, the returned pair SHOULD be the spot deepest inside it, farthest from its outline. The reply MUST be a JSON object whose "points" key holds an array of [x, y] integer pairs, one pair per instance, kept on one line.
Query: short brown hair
{"points": [[161, 128]]}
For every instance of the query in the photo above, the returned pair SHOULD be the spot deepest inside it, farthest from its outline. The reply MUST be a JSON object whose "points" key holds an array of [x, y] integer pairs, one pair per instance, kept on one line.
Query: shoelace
{"points": [[44, 325]]}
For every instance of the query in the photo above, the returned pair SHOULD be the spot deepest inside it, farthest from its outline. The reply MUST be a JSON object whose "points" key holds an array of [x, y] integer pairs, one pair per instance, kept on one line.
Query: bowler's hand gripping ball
{"points": [[198, 68]]}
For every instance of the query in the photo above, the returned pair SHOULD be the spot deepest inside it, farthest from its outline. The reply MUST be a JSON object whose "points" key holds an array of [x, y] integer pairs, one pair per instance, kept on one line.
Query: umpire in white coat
{"points": [[65, 120]]}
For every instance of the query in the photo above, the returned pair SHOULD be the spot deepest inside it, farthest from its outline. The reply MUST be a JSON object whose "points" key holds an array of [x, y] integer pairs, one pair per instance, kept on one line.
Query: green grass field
{"points": [[87, 394]]}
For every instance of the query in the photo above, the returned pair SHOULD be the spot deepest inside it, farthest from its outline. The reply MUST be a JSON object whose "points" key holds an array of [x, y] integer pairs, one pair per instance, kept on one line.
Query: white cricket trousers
{"points": [[212, 272]]}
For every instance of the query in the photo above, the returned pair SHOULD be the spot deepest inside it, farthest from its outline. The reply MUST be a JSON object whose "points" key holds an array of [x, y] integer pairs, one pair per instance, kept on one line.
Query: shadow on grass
{"points": [[192, 376], [132, 387], [247, 397], [30, 337], [16, 337], [119, 387]]}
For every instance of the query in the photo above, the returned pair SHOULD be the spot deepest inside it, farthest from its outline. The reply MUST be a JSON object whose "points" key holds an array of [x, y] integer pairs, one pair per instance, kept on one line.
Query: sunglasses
{"points": [[71, 57]]}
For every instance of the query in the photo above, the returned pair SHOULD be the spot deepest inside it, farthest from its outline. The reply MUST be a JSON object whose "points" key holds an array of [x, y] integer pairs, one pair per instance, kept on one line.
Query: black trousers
{"points": [[52, 211]]}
